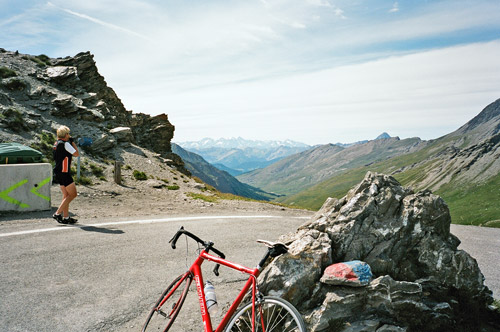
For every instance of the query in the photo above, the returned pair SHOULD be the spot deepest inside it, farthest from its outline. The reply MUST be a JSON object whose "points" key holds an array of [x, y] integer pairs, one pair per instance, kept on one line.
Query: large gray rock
{"points": [[103, 144], [64, 106], [122, 134], [424, 282], [5, 100], [61, 72]]}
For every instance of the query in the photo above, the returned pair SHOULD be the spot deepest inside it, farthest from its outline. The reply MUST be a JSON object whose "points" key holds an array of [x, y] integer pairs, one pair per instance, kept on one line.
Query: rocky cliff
{"points": [[38, 94], [422, 282]]}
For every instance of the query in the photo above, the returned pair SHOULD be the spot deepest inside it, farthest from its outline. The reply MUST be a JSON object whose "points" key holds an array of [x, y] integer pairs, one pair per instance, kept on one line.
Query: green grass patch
{"points": [[41, 60], [496, 304], [14, 119], [416, 174], [173, 187], [15, 85], [493, 223], [96, 170], [45, 145], [84, 181], [337, 186], [475, 204], [6, 72], [197, 179], [138, 175], [44, 58], [206, 198], [214, 195]]}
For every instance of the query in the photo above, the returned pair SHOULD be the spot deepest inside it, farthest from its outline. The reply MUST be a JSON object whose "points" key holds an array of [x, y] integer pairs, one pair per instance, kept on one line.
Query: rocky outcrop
{"points": [[46, 93], [422, 281], [154, 133]]}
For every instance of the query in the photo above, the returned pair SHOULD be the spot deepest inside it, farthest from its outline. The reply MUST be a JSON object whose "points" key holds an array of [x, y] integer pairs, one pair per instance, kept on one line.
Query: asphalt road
{"points": [[105, 276], [483, 244]]}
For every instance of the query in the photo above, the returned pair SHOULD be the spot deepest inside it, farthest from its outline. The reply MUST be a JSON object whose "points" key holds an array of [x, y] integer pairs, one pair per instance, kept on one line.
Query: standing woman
{"points": [[64, 150]]}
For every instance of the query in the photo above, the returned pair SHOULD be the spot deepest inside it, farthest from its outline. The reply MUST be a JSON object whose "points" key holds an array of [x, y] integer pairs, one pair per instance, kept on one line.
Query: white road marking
{"points": [[141, 221]]}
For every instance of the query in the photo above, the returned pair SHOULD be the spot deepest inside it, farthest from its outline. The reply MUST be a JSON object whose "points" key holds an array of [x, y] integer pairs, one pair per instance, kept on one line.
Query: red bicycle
{"points": [[261, 314]]}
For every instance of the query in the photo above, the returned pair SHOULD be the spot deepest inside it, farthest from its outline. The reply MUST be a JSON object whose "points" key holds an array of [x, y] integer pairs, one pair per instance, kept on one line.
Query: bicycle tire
{"points": [[277, 314], [158, 319]]}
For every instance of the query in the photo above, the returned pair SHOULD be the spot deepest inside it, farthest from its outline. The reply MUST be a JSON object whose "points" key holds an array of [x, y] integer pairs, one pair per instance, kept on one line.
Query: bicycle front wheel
{"points": [[272, 314], [164, 312]]}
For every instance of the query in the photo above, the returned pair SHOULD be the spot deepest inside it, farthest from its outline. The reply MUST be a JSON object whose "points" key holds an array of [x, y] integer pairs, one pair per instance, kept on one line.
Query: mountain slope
{"points": [[219, 179], [297, 172], [463, 167]]}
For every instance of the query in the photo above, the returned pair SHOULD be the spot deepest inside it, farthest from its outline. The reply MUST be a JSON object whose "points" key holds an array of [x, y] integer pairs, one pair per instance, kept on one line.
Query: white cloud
{"points": [[319, 3], [426, 94], [100, 22], [298, 25], [395, 8], [339, 13]]}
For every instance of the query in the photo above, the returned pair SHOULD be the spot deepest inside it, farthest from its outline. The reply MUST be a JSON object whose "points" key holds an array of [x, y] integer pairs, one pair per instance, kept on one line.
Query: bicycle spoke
{"points": [[272, 315], [278, 320]]}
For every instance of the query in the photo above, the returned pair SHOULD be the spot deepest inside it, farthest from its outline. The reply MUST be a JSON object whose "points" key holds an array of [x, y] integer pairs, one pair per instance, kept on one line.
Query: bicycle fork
{"points": [[177, 303], [257, 299]]}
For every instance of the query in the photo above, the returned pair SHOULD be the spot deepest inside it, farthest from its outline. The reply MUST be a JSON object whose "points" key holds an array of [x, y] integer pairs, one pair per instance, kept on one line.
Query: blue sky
{"points": [[315, 71]]}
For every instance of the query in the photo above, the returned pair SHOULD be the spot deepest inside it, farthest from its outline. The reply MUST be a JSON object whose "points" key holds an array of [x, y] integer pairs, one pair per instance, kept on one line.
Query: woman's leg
{"points": [[69, 193]]}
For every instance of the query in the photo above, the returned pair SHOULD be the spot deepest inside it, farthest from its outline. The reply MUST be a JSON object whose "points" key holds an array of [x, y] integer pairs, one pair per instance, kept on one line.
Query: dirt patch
{"points": [[165, 192]]}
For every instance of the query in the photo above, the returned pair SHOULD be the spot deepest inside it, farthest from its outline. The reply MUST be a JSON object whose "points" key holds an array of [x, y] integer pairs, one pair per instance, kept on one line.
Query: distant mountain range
{"points": [[238, 143], [237, 155]]}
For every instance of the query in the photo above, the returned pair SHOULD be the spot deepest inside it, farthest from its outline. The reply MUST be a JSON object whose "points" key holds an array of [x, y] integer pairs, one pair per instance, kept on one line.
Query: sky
{"points": [[314, 71]]}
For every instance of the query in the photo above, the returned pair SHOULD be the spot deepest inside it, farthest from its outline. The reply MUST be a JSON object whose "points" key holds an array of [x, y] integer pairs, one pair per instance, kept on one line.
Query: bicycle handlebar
{"points": [[208, 245], [181, 231]]}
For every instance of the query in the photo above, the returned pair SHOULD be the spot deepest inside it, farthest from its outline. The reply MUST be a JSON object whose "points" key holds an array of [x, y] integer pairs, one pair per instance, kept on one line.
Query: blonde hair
{"points": [[62, 131]]}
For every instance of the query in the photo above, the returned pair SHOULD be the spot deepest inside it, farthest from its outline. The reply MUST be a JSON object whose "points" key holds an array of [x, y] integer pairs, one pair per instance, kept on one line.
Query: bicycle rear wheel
{"points": [[164, 312], [272, 314]]}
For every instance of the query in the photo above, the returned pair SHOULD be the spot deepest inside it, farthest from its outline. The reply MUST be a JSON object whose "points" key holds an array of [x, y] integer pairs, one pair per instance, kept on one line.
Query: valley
{"points": [[462, 166]]}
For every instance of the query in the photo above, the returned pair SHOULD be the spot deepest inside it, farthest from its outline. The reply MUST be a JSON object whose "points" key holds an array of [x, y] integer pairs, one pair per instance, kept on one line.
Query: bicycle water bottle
{"points": [[211, 299]]}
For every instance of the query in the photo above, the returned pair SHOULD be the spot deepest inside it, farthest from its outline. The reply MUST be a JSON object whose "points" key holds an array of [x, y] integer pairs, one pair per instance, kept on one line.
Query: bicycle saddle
{"points": [[275, 248]]}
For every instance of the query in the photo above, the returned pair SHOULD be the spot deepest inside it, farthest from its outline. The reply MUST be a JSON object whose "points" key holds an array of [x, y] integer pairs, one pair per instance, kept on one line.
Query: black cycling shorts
{"points": [[64, 179]]}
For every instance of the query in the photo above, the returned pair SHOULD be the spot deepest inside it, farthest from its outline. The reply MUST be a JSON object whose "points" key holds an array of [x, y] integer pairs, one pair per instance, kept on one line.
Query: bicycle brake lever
{"points": [[216, 269]]}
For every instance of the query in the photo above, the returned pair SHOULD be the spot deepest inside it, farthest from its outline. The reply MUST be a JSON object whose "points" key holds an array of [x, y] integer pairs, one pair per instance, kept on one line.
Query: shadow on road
{"points": [[101, 230]]}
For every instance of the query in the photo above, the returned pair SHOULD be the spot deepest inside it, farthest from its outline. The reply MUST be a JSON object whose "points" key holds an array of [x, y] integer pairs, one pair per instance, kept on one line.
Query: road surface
{"points": [[105, 276]]}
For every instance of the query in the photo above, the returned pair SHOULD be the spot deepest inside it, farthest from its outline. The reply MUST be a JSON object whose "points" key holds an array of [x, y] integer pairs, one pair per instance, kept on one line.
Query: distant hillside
{"points": [[219, 179], [238, 155], [300, 171], [463, 167]]}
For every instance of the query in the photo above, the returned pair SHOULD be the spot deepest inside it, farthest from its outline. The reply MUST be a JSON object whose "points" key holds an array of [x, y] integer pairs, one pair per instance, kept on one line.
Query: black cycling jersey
{"points": [[62, 157]]}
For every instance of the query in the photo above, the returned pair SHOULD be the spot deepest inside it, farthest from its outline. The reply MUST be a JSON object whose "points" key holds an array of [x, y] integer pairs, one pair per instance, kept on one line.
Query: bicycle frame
{"points": [[196, 272]]}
